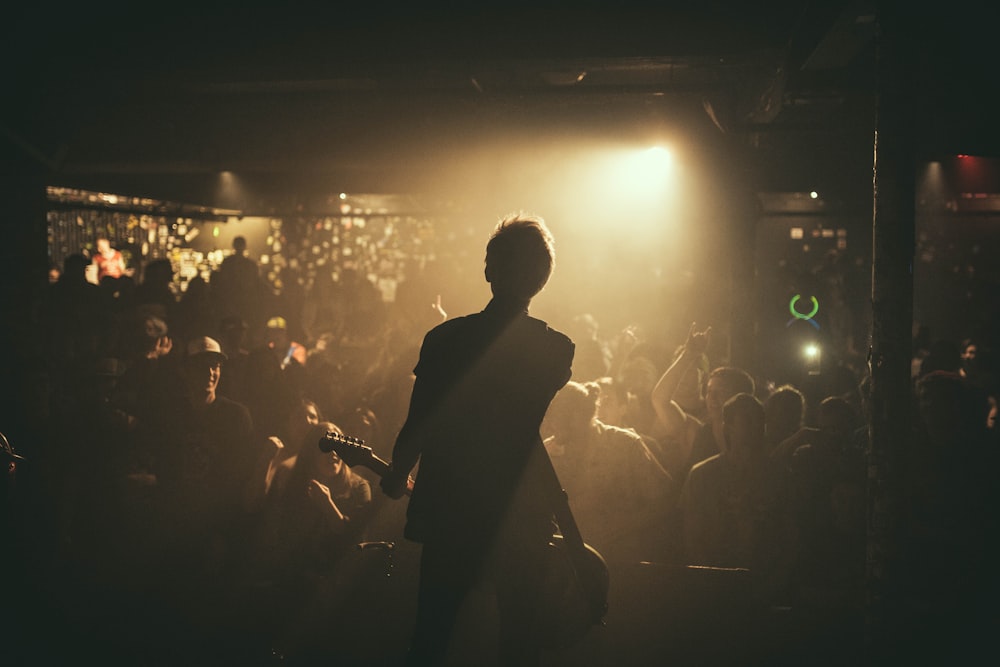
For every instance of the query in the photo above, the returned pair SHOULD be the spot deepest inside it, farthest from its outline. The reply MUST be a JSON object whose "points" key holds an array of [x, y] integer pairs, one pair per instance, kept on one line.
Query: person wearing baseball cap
{"points": [[203, 455]]}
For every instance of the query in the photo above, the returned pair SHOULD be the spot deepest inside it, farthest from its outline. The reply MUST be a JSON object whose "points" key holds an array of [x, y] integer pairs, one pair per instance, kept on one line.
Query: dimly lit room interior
{"points": [[808, 192]]}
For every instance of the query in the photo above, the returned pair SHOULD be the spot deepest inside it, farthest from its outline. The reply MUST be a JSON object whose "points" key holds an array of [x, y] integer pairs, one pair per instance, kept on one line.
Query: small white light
{"points": [[343, 195], [813, 195], [812, 351]]}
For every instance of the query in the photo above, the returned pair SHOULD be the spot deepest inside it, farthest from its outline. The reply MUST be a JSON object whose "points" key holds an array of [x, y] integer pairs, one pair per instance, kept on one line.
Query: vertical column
{"points": [[744, 217], [23, 269], [892, 314]]}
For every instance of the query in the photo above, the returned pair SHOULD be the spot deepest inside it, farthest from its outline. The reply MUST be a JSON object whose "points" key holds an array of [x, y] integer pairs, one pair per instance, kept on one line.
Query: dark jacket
{"points": [[483, 385]]}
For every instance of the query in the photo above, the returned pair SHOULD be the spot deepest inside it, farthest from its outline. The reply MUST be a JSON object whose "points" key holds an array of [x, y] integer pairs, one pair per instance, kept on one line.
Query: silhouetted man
{"points": [[237, 285], [480, 504]]}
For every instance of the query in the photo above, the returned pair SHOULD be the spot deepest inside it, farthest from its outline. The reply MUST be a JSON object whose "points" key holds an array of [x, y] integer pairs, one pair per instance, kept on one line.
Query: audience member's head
{"points": [[75, 268], [724, 383], [612, 401], [785, 412], [743, 424], [943, 355], [304, 415], [202, 369], [573, 409], [240, 245], [837, 418]]}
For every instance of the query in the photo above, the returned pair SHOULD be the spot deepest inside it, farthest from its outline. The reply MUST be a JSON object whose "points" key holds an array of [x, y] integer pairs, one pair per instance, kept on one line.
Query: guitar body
{"points": [[575, 595]]}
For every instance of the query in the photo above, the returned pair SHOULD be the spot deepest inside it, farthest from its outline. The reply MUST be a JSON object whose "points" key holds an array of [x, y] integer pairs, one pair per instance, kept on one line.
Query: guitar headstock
{"points": [[351, 450]]}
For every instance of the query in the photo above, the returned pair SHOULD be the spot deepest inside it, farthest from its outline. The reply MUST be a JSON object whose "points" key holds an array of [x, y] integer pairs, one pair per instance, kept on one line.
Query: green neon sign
{"points": [[808, 317], [802, 316]]}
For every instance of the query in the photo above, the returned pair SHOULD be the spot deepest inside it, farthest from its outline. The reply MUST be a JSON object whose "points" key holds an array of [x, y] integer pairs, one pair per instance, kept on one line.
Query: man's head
{"points": [[724, 383], [785, 409], [276, 335], [519, 257], [573, 409], [837, 419], [203, 368], [240, 245], [103, 245], [743, 423]]}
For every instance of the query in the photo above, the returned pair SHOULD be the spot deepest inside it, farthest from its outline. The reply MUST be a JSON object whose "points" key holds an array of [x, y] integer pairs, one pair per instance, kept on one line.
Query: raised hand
{"points": [[697, 341], [436, 306]]}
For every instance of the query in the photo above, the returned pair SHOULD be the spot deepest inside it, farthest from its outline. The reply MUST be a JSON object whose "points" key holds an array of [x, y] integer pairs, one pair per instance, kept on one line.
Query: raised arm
{"points": [[673, 419]]}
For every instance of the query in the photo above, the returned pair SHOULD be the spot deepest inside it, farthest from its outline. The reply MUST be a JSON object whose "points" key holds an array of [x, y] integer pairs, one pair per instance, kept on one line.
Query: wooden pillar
{"points": [[23, 270], [743, 266], [892, 313]]}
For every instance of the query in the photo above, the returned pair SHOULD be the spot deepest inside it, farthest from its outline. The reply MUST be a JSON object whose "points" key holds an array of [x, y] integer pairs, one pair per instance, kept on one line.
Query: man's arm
{"points": [[674, 420], [410, 441]]}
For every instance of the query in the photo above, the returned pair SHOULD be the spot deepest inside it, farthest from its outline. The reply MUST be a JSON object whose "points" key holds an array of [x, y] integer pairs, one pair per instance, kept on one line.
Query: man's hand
{"points": [[439, 309], [319, 492], [394, 483], [697, 341], [162, 348]]}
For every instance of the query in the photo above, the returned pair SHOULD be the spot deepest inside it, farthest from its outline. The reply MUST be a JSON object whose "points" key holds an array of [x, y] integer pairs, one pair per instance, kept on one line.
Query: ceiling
{"points": [[301, 100]]}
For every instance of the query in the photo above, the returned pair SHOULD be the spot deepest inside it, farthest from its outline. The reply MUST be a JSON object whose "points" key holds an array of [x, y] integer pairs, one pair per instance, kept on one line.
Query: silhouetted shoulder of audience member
{"points": [[735, 505], [829, 476], [299, 565], [947, 506], [979, 367], [203, 454], [236, 284], [319, 507], [785, 411], [76, 316], [943, 355], [593, 359], [692, 439], [617, 488], [195, 313], [155, 293], [150, 368], [273, 378]]}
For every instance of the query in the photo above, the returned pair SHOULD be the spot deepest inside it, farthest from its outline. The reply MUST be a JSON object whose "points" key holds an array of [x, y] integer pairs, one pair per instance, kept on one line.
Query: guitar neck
{"points": [[354, 452]]}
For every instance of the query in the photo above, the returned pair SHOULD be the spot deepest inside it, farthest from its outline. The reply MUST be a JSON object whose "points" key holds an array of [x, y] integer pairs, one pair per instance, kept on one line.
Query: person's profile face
{"points": [[717, 393], [331, 464], [202, 373], [745, 436]]}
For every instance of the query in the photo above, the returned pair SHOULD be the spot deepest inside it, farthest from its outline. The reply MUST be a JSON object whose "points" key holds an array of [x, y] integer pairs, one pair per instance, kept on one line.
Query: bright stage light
{"points": [[650, 169], [642, 175]]}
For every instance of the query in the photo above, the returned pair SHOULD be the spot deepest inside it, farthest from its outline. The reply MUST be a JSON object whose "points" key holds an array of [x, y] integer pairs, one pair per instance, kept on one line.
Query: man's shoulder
{"points": [[223, 405], [557, 336], [456, 326], [618, 434], [706, 468]]}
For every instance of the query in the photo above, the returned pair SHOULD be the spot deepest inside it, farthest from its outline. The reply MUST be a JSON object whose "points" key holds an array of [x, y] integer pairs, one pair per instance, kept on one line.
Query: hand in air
{"points": [[162, 348], [318, 491], [436, 306], [628, 340], [697, 341]]}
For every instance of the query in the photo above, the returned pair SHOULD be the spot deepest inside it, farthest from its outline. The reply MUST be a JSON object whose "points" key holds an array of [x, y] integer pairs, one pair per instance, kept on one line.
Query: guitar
{"points": [[354, 452], [576, 582]]}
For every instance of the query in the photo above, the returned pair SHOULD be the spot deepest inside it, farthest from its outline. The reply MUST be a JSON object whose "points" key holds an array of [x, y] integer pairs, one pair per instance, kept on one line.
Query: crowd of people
{"points": [[178, 490]]}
